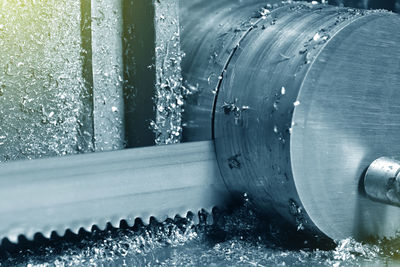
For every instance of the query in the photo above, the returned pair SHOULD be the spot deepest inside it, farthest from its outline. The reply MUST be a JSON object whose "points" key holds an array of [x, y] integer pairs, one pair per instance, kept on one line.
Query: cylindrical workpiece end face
{"points": [[381, 181], [348, 116]]}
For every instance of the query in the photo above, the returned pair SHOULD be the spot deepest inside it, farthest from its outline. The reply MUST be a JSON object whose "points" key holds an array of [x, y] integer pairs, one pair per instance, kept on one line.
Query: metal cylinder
{"points": [[300, 99], [382, 181]]}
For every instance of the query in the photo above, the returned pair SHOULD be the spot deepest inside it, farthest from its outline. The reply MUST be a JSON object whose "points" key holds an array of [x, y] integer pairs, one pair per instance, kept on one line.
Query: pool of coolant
{"points": [[235, 238]]}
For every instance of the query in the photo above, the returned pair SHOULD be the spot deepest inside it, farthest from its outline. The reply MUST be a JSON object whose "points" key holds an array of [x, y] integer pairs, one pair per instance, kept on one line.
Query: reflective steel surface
{"points": [[54, 195], [348, 116], [382, 181]]}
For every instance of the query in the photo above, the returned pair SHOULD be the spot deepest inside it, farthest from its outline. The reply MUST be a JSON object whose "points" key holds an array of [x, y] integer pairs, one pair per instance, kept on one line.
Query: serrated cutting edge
{"points": [[101, 224], [79, 192]]}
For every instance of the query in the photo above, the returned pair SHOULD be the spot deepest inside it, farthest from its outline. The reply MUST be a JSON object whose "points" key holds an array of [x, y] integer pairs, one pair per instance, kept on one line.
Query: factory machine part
{"points": [[302, 99], [290, 105]]}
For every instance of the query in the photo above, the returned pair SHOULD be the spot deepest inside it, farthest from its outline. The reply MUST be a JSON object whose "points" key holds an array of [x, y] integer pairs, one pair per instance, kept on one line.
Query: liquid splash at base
{"points": [[237, 238]]}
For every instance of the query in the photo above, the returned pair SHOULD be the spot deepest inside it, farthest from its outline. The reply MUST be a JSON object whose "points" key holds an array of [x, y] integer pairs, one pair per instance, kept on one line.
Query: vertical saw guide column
{"points": [[290, 104]]}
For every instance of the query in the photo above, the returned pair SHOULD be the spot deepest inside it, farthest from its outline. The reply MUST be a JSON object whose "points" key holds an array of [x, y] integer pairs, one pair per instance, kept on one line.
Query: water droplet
{"points": [[276, 105]]}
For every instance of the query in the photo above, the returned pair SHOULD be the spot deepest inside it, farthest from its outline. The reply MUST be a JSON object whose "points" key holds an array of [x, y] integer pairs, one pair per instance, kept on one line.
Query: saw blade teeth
{"points": [[195, 217], [183, 213], [130, 221], [75, 229], [115, 222], [88, 227], [146, 220], [163, 218], [210, 219], [29, 235], [102, 225], [47, 233], [62, 231], [13, 239]]}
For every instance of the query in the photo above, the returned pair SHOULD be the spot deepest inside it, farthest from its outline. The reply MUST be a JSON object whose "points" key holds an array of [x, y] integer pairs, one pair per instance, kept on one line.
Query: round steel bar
{"points": [[300, 99], [382, 181]]}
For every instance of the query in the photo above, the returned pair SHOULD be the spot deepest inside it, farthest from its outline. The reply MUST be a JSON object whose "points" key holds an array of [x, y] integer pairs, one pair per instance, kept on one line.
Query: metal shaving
{"points": [[169, 97], [42, 92]]}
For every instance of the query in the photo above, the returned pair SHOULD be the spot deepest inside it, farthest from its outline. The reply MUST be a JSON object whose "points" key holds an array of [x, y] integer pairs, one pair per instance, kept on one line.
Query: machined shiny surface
{"points": [[349, 116], [382, 181]]}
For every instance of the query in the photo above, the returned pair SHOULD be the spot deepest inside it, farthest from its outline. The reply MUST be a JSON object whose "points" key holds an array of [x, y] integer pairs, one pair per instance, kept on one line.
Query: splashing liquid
{"points": [[238, 239]]}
